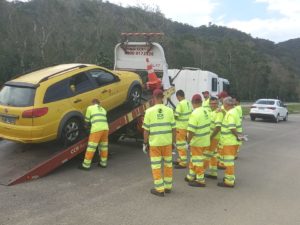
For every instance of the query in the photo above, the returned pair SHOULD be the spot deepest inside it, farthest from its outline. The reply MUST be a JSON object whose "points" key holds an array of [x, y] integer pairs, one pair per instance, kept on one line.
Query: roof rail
{"points": [[61, 71]]}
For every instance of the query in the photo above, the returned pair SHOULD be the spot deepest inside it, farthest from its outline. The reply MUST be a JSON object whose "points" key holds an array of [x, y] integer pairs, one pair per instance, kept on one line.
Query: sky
{"points": [[275, 20]]}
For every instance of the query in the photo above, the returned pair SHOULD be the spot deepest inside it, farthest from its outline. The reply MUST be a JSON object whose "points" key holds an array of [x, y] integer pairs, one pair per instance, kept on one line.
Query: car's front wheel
{"points": [[276, 119], [286, 117], [252, 118], [71, 131], [135, 96]]}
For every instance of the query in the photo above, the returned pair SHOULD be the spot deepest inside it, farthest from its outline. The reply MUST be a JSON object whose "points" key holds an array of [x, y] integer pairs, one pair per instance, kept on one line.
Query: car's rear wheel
{"points": [[286, 117], [252, 118], [135, 96], [71, 131]]}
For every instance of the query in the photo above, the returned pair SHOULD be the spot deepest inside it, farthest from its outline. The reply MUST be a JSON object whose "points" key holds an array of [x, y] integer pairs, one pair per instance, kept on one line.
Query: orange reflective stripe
{"points": [[89, 155], [229, 170], [156, 174], [166, 150], [168, 171], [103, 154], [154, 151], [197, 151], [229, 149]]}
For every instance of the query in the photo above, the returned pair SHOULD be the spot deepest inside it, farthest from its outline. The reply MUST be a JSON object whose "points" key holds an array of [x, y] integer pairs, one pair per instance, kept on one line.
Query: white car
{"points": [[269, 109]]}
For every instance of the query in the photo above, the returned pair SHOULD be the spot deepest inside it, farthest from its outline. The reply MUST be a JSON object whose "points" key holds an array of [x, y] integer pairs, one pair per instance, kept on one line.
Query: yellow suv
{"points": [[50, 104]]}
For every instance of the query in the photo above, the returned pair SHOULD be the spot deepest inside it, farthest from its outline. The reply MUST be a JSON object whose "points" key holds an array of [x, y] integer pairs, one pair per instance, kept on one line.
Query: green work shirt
{"points": [[206, 105], [159, 121], [199, 124], [230, 121], [96, 115], [182, 113], [216, 118]]}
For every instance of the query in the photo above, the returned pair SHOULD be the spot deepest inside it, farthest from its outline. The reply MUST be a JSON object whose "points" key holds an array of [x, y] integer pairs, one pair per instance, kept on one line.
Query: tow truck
{"points": [[20, 163]]}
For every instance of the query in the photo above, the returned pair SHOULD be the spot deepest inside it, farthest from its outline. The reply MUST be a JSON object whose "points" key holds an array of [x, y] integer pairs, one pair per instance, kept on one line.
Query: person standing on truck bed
{"points": [[159, 134], [96, 117], [182, 113]]}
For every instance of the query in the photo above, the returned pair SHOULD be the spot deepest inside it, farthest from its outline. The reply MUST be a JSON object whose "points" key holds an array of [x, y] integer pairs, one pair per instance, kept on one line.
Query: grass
{"points": [[292, 108]]}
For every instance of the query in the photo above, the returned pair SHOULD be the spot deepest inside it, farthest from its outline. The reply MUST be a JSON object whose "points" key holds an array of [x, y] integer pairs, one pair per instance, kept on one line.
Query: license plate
{"points": [[261, 108], [10, 120]]}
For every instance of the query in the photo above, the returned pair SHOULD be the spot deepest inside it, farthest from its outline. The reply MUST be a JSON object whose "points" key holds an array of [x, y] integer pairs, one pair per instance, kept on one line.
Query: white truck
{"points": [[195, 81]]}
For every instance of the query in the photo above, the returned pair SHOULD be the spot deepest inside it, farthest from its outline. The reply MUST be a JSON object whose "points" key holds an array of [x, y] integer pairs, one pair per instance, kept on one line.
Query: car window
{"points": [[17, 96], [278, 103], [80, 83], [101, 77], [265, 102], [60, 90]]}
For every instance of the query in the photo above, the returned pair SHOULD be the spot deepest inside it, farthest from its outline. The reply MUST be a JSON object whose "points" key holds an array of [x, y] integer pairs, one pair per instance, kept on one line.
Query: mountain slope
{"points": [[46, 32]]}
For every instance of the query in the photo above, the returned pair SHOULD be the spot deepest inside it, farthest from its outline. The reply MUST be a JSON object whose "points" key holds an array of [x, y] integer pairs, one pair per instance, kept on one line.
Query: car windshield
{"points": [[17, 96], [265, 102]]}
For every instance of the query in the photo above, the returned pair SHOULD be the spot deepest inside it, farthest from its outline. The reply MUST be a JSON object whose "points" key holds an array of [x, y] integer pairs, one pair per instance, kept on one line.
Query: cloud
{"points": [[193, 12], [276, 29]]}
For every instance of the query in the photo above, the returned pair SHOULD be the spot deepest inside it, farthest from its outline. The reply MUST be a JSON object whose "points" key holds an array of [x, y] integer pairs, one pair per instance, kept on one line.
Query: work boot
{"points": [[178, 166], [186, 179], [210, 176], [235, 158], [221, 168], [83, 168], [155, 192], [196, 184], [175, 163], [102, 166], [223, 184], [168, 190]]}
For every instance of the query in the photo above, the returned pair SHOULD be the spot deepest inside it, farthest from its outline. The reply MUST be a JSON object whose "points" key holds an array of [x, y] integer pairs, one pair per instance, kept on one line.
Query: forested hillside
{"points": [[41, 33]]}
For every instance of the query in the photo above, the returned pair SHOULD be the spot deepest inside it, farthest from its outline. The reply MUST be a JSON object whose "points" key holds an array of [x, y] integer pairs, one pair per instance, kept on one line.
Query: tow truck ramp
{"points": [[20, 163]]}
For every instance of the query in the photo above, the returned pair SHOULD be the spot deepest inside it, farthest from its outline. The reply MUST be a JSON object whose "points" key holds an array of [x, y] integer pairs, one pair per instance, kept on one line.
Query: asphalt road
{"points": [[266, 192]]}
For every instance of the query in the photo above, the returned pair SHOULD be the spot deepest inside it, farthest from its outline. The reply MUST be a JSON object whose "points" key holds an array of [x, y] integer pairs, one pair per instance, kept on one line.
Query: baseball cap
{"points": [[196, 97], [205, 92], [158, 93]]}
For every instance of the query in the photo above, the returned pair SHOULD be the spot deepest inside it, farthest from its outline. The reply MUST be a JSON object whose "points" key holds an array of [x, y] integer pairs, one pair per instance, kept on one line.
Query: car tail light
{"points": [[33, 113], [273, 108], [253, 107]]}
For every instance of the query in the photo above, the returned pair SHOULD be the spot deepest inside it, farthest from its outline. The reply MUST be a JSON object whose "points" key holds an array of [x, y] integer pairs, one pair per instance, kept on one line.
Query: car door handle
{"points": [[77, 100], [104, 91]]}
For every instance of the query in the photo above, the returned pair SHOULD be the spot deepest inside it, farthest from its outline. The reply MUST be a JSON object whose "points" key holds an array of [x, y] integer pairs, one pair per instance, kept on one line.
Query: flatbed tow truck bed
{"points": [[23, 162]]}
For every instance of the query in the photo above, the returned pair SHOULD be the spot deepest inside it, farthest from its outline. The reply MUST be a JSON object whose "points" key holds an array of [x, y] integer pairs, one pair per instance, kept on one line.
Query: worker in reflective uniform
{"points": [[205, 103], [98, 138], [229, 141], [221, 96], [182, 113], [199, 141], [239, 128], [216, 117], [159, 135]]}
